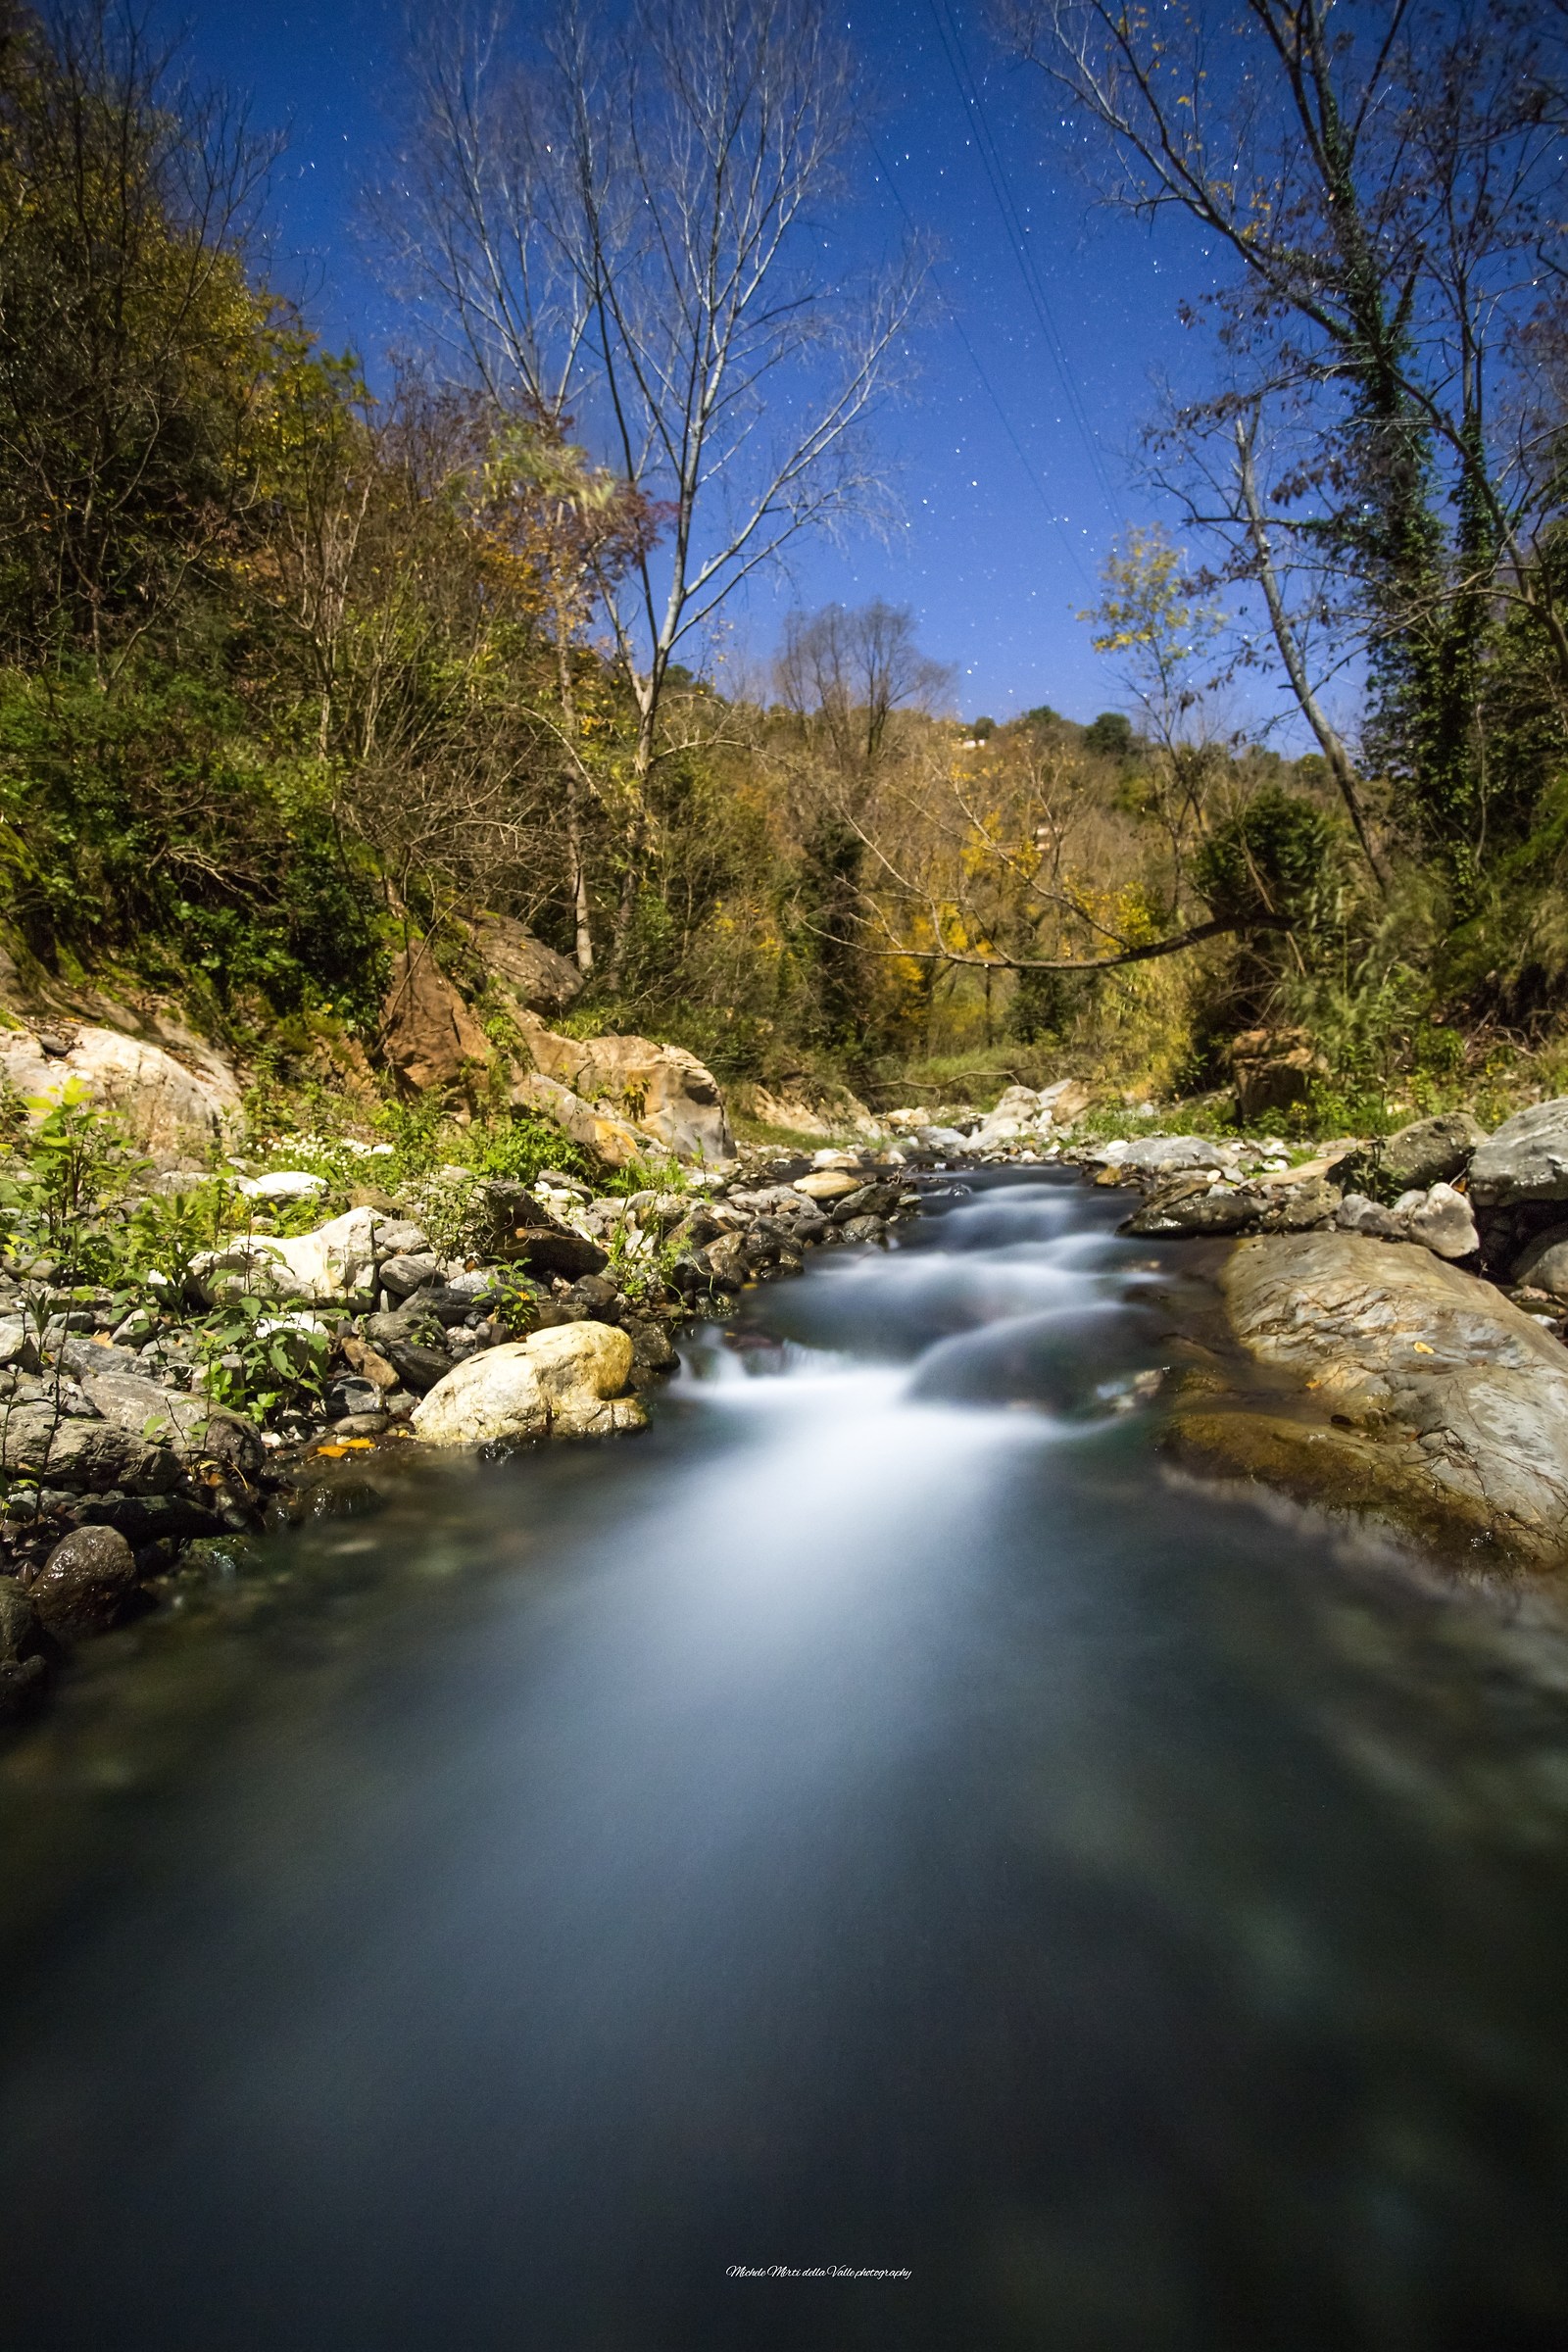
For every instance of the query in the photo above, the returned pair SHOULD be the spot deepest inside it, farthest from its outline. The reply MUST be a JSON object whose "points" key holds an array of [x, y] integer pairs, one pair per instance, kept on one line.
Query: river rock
{"points": [[1430, 1152], [1525, 1159], [192, 1426], [829, 1183], [1414, 1393], [563, 1382], [24, 1660], [86, 1583], [1544, 1264]]}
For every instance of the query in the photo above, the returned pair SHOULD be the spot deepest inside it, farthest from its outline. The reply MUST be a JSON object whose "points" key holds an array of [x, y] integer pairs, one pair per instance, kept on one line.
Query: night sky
{"points": [[1013, 450]]}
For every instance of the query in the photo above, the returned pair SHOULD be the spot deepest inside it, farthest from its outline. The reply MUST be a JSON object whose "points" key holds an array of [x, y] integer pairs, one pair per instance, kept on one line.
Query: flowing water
{"points": [[874, 1823]]}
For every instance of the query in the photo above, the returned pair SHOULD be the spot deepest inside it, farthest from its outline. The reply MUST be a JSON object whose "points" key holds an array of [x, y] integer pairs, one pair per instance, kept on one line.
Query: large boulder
{"points": [[166, 1107], [566, 1382], [663, 1090], [523, 967], [429, 1035], [192, 1426], [1527, 1160], [614, 1142], [1409, 1391]]}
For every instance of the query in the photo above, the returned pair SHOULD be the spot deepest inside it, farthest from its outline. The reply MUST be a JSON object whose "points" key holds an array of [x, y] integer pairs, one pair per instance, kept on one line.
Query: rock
{"points": [[83, 1455], [726, 1262], [1196, 1210], [288, 1184], [1274, 1069], [564, 1382], [613, 1141], [829, 1183], [944, 1140], [661, 1090], [1426, 1398], [407, 1270], [1358, 1215], [429, 1035], [23, 1652], [1527, 1160], [523, 967], [86, 1583], [195, 1429], [19, 1347], [1443, 1224], [166, 1107], [864, 1229], [1169, 1154], [1428, 1151], [417, 1366], [653, 1350], [333, 1262], [1544, 1263], [370, 1364]]}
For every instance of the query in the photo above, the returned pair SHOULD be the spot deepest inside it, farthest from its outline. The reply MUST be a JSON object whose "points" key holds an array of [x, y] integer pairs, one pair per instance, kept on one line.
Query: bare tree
{"points": [[635, 229], [847, 673]]}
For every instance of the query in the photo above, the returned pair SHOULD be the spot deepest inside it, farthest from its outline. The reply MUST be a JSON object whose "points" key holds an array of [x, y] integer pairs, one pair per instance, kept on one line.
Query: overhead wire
{"points": [[1018, 238]]}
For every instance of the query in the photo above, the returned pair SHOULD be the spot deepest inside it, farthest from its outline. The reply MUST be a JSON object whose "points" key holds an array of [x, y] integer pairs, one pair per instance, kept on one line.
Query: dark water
{"points": [[873, 1821]]}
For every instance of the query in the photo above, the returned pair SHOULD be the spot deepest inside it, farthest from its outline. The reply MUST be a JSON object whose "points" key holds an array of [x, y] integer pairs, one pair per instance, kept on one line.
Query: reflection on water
{"points": [[872, 1821]]}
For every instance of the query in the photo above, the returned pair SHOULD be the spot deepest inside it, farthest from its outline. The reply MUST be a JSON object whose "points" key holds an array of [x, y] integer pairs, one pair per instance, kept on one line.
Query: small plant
{"points": [[256, 1356]]}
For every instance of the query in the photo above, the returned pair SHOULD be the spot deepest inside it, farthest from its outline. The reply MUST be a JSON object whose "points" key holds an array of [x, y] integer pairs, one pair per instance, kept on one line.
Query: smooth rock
{"points": [[87, 1581], [1525, 1159], [1425, 1397], [829, 1183], [192, 1426], [563, 1382]]}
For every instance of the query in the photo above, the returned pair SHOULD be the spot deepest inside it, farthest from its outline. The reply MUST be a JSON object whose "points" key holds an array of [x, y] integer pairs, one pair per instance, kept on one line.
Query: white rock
{"points": [[333, 1262], [1444, 1223], [287, 1184], [562, 1383]]}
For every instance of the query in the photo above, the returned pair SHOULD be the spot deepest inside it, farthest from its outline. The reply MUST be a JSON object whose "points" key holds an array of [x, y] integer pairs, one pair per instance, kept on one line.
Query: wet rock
{"points": [[862, 1230], [25, 1658], [653, 1350], [87, 1583], [566, 1382], [1525, 1159], [1423, 1396], [726, 1263]]}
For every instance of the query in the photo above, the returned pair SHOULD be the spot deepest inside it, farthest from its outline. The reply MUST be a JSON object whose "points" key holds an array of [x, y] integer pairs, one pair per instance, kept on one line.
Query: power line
{"points": [[1018, 238], [1024, 457]]}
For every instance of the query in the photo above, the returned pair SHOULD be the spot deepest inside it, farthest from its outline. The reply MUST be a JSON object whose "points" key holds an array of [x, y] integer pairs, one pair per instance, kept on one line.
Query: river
{"points": [[874, 1823]]}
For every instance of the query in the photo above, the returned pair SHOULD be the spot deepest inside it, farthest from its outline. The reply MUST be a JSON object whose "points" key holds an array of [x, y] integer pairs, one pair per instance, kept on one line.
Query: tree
{"points": [[1382, 186], [638, 220]]}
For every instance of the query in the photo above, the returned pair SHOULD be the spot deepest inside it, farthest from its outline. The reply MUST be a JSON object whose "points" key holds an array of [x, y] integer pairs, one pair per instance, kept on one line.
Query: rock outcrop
{"points": [[1404, 1389], [1526, 1160], [166, 1107], [429, 1035], [663, 1092], [566, 1382]]}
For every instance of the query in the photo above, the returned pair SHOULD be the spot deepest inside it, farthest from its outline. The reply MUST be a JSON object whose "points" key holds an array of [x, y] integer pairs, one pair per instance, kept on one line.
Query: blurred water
{"points": [[875, 1821]]}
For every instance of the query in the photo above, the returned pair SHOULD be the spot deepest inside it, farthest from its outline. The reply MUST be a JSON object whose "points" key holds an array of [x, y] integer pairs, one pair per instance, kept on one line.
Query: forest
{"points": [[305, 653]]}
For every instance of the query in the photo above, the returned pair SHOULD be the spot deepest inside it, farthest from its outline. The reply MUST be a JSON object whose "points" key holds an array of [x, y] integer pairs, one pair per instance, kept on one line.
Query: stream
{"points": [[876, 1822]]}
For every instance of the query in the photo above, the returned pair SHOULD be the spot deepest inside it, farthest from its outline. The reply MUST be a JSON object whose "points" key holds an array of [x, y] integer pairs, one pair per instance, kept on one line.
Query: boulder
{"points": [[190, 1426], [1274, 1069], [564, 1382], [86, 1583], [1170, 1155], [663, 1090], [523, 967], [1429, 1152], [429, 1035], [613, 1140], [336, 1260], [1544, 1263], [83, 1455], [830, 1184], [164, 1106], [23, 1649], [1421, 1395], [1527, 1160], [525, 1232]]}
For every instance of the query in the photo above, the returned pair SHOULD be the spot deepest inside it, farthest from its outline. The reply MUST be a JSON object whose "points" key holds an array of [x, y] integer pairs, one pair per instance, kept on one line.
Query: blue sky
{"points": [[1011, 470]]}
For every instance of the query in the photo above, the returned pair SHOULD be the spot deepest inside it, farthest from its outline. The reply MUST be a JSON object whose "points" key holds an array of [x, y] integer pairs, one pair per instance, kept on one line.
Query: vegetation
{"points": [[290, 673]]}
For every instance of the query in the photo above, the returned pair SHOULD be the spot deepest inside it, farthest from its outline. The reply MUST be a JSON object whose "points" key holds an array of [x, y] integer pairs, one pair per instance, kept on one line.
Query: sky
{"points": [[1013, 451]]}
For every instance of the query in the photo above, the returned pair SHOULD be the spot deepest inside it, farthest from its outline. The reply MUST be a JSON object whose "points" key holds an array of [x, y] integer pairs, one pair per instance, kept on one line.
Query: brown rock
{"points": [[429, 1035], [1274, 1068], [87, 1583], [370, 1364], [662, 1090]]}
